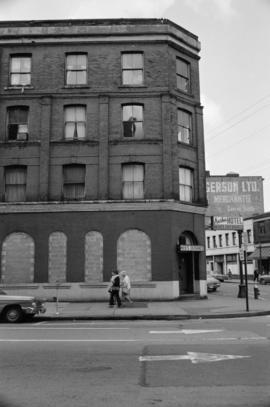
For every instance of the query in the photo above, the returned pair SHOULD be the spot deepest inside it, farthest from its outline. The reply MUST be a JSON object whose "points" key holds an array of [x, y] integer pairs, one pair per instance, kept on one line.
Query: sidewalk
{"points": [[216, 306]]}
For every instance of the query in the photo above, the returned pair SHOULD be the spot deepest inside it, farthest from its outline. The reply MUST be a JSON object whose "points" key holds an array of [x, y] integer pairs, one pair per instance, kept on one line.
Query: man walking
{"points": [[114, 289]]}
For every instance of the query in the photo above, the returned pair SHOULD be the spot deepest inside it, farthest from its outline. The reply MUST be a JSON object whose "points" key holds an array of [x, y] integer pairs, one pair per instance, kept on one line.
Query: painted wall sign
{"points": [[234, 196]]}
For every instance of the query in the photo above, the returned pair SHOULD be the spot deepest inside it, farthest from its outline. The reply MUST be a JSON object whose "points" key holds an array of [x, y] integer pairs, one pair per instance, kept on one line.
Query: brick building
{"points": [[101, 158]]}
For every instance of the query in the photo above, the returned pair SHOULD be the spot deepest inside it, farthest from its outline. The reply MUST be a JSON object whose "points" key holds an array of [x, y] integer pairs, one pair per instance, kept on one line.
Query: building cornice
{"points": [[100, 206], [98, 31]]}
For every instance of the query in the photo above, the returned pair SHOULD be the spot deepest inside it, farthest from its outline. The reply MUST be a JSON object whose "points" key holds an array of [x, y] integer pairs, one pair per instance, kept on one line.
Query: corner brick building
{"points": [[101, 158]]}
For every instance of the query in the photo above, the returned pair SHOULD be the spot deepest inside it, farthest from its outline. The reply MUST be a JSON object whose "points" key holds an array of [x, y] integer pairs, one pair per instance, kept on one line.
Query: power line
{"points": [[235, 124], [239, 141], [238, 114]]}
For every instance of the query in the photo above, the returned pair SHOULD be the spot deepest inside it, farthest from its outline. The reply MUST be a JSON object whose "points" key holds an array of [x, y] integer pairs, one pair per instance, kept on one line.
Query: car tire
{"points": [[13, 314]]}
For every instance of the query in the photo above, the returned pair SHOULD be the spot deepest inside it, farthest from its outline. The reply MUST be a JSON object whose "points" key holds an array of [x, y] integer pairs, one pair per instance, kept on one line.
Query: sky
{"points": [[234, 68]]}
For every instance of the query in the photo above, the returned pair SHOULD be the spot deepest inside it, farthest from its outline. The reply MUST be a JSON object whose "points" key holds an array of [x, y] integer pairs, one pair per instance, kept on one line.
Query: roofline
{"points": [[96, 22]]}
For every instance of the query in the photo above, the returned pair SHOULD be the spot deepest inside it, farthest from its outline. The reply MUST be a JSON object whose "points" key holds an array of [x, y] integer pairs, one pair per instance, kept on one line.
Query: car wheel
{"points": [[13, 314]]}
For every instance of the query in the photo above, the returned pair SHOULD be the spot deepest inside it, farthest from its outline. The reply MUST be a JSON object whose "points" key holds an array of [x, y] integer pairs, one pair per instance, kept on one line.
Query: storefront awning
{"points": [[260, 253]]}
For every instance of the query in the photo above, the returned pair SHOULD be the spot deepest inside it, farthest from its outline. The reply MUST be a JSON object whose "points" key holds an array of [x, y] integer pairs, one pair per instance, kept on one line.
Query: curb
{"points": [[152, 317]]}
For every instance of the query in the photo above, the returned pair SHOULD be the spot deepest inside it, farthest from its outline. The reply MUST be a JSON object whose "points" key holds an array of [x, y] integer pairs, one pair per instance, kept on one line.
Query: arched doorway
{"points": [[188, 260]]}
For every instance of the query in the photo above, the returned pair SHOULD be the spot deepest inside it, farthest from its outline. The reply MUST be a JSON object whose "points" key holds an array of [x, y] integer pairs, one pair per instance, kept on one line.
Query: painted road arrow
{"points": [[194, 357]]}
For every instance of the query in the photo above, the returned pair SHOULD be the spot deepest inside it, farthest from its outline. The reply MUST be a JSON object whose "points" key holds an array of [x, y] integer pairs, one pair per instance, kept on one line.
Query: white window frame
{"points": [[19, 127], [17, 69], [71, 124], [133, 181], [184, 124], [132, 122], [131, 67], [75, 69], [15, 184], [182, 77], [74, 186], [186, 184]]}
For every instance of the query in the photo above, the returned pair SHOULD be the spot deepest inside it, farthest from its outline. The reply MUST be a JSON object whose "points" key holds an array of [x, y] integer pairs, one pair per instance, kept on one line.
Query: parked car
{"points": [[264, 279], [15, 308], [220, 277], [212, 283]]}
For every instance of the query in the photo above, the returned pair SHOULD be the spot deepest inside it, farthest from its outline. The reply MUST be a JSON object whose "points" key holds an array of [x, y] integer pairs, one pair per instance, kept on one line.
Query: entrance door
{"points": [[186, 274]]}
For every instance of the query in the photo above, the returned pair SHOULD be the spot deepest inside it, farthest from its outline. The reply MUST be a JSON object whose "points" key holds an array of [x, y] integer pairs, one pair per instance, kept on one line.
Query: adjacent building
{"points": [[101, 158], [261, 254], [233, 201]]}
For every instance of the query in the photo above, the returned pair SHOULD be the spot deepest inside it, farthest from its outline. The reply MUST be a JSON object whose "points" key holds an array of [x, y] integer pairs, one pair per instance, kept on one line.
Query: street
{"points": [[136, 363]]}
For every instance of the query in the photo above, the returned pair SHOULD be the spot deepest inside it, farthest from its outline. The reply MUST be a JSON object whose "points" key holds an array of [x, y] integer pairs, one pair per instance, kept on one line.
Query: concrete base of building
{"points": [[154, 290]]}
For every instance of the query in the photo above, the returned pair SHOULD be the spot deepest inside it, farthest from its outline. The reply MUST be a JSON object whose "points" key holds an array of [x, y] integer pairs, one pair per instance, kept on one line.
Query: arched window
{"points": [[57, 257], [17, 259], [134, 255], [93, 257]]}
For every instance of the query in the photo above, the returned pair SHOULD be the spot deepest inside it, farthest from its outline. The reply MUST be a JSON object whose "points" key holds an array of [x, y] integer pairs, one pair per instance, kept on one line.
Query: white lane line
{"points": [[243, 338], [187, 331], [59, 328], [69, 340]]}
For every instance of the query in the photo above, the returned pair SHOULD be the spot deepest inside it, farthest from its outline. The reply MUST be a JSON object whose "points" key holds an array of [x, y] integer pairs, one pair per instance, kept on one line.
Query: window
{"points": [[183, 75], [76, 69], [184, 126], [132, 68], [133, 121], [185, 184], [220, 240], [249, 236], [208, 242], [133, 181], [227, 239], [17, 128], [234, 238], [261, 226], [75, 122], [214, 242], [74, 181], [15, 184], [20, 70]]}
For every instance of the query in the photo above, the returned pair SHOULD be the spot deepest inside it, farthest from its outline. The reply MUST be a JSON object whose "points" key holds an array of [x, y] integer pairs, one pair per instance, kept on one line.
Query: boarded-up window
{"points": [[18, 259], [57, 257], [134, 255], [93, 257]]}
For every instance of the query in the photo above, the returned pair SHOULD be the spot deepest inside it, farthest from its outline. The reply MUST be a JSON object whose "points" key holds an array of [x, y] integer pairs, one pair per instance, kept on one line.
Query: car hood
{"points": [[16, 298]]}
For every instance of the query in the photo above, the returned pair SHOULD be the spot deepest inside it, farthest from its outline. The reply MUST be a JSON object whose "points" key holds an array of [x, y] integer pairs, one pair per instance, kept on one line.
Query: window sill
{"points": [[19, 87], [189, 94], [76, 87], [132, 86], [20, 142], [85, 141], [182, 143]]}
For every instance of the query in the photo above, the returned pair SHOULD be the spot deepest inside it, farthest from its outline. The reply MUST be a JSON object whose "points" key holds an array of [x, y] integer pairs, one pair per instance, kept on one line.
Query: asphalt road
{"points": [[213, 363]]}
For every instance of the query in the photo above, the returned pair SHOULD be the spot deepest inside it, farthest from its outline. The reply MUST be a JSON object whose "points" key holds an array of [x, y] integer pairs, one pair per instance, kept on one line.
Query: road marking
{"points": [[194, 357], [35, 328], [187, 331], [68, 340]]}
